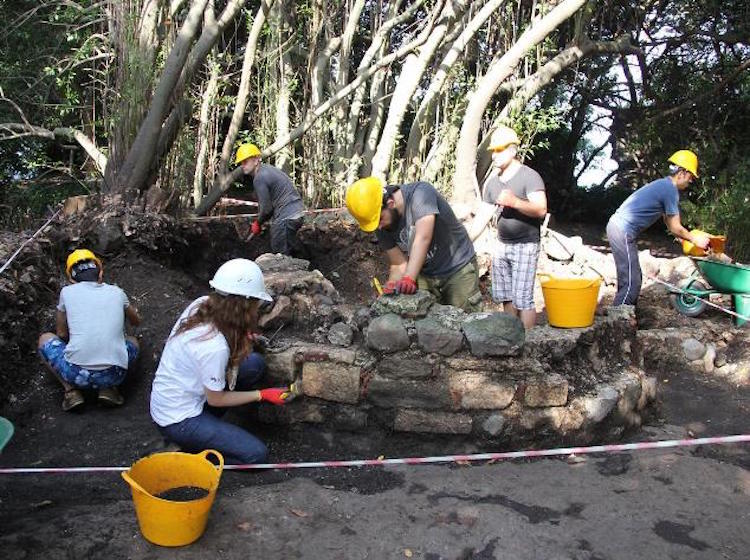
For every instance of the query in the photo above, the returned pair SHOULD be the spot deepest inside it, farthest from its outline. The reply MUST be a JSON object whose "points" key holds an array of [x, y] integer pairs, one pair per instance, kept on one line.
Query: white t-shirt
{"points": [[192, 360], [96, 324]]}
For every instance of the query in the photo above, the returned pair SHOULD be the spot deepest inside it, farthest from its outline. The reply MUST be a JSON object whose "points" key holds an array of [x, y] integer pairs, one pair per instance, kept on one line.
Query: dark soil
{"points": [[161, 284], [183, 494]]}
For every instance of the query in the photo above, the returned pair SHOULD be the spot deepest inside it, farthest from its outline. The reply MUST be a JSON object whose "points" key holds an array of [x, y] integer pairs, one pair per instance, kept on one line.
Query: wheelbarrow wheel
{"points": [[689, 304]]}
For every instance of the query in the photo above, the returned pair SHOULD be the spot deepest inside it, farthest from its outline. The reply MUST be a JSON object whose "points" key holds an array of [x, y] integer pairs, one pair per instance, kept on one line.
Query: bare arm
{"points": [[61, 325], [534, 207], [676, 227], [482, 217], [396, 263], [132, 315], [424, 228], [230, 398]]}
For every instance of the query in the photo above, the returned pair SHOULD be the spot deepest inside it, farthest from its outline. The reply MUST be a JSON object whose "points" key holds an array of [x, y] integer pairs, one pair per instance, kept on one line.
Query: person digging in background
{"points": [[427, 247], [639, 211], [208, 364], [89, 349], [517, 191], [277, 200]]}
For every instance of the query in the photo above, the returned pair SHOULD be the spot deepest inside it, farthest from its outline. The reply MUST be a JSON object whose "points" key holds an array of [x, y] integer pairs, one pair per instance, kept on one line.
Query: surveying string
{"points": [[613, 448]]}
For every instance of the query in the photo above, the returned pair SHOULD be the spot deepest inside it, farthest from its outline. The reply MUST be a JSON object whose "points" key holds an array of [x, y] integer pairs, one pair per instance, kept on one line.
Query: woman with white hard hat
{"points": [[208, 365]]}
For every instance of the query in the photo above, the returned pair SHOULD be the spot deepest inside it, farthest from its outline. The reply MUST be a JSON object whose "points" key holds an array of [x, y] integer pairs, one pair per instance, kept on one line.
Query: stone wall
{"points": [[410, 365]]}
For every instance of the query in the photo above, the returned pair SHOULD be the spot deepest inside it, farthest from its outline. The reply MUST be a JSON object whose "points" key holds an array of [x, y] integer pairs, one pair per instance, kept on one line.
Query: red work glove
{"points": [[389, 288], [275, 395], [406, 285], [255, 227]]}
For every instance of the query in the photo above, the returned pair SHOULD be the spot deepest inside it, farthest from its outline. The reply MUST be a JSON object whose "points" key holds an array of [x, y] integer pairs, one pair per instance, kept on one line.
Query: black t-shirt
{"points": [[514, 226], [451, 247]]}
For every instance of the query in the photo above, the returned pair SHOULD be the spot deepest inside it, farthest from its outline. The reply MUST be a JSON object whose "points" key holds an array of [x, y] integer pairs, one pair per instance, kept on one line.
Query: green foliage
{"points": [[594, 204], [726, 212], [23, 203], [535, 125]]}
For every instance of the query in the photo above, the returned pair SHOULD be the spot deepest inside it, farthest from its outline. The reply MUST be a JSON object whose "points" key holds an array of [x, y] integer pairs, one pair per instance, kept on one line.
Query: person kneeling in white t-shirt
{"points": [[89, 349], [207, 352]]}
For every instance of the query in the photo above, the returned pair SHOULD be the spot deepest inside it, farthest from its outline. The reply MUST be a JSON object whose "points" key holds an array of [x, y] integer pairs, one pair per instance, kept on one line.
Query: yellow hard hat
{"points": [[80, 255], [364, 200], [502, 137], [246, 151], [685, 159]]}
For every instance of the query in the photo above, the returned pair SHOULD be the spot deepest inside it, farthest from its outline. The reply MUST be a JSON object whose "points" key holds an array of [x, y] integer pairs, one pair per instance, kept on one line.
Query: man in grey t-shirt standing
{"points": [[519, 193], [426, 245], [277, 200]]}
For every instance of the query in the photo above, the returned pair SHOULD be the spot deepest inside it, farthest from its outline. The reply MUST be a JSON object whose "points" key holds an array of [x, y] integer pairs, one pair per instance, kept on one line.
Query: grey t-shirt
{"points": [[276, 194], [451, 247], [96, 324], [646, 205], [514, 226]]}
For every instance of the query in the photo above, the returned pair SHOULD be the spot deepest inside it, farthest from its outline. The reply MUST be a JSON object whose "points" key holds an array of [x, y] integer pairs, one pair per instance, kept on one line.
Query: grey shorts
{"points": [[514, 272]]}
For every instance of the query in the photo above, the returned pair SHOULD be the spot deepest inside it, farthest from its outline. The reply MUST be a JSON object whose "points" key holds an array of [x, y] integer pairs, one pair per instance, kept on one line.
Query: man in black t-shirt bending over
{"points": [[518, 191], [426, 245]]}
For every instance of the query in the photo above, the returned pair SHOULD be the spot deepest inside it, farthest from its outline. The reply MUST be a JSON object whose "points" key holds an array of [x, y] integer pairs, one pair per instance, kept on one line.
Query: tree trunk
{"points": [[366, 138], [343, 138], [285, 77], [244, 88], [422, 124], [411, 74], [209, 95], [138, 161]]}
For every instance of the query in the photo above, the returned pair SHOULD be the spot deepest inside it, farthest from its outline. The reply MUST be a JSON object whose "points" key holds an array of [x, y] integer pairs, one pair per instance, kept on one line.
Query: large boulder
{"points": [[436, 337], [412, 306], [387, 333], [494, 334]]}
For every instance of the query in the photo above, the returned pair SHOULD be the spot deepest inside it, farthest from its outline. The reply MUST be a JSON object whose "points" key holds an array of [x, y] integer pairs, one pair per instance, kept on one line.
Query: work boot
{"points": [[73, 398], [110, 396]]}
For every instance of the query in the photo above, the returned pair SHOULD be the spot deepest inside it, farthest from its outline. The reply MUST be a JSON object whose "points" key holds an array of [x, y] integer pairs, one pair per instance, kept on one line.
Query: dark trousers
{"points": [[209, 431], [625, 252], [284, 238]]}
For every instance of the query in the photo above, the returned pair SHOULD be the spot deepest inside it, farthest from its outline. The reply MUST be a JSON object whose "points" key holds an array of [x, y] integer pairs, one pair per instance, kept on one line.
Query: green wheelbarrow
{"points": [[714, 277]]}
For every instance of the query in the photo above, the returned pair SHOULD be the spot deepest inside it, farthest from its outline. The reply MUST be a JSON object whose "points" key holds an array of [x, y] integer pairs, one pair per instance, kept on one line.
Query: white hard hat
{"points": [[240, 277]]}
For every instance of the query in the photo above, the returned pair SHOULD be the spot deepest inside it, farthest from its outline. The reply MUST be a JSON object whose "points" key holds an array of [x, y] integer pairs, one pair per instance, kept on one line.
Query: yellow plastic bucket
{"points": [[167, 522], [570, 302], [715, 242]]}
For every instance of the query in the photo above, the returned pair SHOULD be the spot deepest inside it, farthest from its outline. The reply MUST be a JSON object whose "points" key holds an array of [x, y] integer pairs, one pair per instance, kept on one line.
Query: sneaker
{"points": [[110, 396], [72, 399]]}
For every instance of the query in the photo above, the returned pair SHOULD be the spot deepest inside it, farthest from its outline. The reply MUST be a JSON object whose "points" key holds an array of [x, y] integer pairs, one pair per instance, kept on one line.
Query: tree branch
{"points": [[21, 130], [310, 118]]}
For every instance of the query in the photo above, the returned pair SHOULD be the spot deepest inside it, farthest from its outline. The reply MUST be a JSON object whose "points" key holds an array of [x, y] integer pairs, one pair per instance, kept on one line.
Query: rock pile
{"points": [[409, 364]]}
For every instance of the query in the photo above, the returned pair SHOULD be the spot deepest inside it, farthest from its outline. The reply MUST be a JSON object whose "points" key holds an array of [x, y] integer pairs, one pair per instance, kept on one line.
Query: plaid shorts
{"points": [[514, 272], [53, 352]]}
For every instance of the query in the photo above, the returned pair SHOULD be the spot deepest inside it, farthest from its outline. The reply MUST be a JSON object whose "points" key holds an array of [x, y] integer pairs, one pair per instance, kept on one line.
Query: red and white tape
{"points": [[612, 448]]}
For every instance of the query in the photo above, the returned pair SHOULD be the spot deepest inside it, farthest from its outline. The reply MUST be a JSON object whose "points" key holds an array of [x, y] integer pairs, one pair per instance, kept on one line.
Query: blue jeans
{"points": [[53, 352], [209, 431], [625, 252]]}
